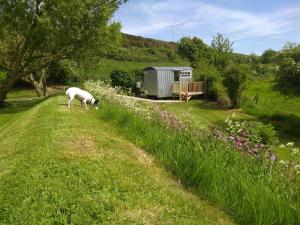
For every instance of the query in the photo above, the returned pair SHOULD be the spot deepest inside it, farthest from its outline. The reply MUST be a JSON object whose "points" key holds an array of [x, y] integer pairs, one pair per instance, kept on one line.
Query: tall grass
{"points": [[251, 191]]}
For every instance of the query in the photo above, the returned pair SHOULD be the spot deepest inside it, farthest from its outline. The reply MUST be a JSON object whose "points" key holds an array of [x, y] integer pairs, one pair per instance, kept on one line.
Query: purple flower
{"points": [[273, 157], [239, 138]]}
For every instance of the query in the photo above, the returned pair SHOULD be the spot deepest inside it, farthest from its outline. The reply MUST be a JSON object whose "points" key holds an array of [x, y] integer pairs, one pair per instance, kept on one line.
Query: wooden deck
{"points": [[185, 90]]}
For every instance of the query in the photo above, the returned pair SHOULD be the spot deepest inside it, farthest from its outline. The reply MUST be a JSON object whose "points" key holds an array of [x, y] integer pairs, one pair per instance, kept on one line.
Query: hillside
{"points": [[65, 166], [135, 53]]}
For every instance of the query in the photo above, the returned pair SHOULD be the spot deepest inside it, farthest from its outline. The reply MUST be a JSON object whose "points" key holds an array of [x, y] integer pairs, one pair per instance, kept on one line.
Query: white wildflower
{"points": [[290, 144]]}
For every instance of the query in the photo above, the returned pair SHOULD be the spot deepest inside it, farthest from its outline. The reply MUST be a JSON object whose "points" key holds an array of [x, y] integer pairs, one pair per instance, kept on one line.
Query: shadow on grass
{"points": [[209, 105], [287, 124], [21, 105]]}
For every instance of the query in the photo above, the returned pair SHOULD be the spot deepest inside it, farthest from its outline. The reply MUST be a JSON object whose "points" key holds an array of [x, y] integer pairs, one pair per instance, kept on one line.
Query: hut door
{"points": [[176, 76]]}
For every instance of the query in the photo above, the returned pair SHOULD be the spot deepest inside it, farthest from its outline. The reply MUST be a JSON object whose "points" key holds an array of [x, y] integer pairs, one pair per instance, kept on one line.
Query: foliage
{"points": [[268, 56], [271, 106], [265, 131], [120, 78], [60, 73], [251, 137], [264, 70], [212, 76], [126, 80], [2, 75], [37, 33], [235, 81], [192, 48], [139, 49], [288, 77], [221, 51], [207, 164]]}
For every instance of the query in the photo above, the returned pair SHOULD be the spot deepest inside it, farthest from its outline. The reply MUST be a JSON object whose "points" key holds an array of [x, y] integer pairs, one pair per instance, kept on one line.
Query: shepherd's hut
{"points": [[164, 82]]}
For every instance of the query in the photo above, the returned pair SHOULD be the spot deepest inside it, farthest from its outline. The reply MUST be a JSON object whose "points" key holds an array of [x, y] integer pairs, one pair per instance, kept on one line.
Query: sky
{"points": [[253, 25]]}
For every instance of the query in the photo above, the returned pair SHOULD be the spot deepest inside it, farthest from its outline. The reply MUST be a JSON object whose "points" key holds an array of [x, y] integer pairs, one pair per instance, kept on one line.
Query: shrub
{"points": [[265, 131], [126, 80], [221, 94], [2, 75], [288, 77], [214, 87], [251, 138], [235, 81], [121, 78], [60, 73]]}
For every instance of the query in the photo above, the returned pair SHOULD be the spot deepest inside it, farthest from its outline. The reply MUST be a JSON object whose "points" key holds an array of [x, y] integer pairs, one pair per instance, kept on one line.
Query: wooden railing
{"points": [[188, 87]]}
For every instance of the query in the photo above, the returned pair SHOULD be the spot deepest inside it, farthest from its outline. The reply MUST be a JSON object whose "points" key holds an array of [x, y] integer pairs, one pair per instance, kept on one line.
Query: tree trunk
{"points": [[3, 95], [6, 84], [40, 85]]}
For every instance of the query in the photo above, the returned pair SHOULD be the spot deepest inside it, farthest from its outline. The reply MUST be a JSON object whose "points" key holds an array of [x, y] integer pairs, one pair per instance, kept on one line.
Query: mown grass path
{"points": [[64, 166]]}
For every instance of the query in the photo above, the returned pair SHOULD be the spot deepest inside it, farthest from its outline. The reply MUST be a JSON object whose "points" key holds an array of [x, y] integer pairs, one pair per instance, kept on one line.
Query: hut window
{"points": [[185, 74]]}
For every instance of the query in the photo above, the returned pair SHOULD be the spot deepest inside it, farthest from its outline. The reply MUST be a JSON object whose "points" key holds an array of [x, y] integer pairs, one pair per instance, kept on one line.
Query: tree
{"points": [[288, 77], [192, 48], [235, 81], [222, 51], [268, 56], [36, 33]]}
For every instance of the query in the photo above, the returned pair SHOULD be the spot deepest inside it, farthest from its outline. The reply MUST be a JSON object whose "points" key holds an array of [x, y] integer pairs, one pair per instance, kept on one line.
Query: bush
{"points": [[221, 94], [126, 80], [235, 81], [60, 73], [214, 88], [252, 137], [288, 77], [2, 75], [121, 78], [265, 131]]}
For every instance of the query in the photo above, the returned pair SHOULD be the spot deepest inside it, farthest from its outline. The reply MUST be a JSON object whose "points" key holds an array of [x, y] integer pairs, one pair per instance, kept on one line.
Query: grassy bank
{"points": [[65, 166], [282, 111], [203, 113], [251, 191]]}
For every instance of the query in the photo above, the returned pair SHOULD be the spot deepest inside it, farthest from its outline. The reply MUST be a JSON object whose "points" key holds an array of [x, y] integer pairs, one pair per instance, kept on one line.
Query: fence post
{"points": [[205, 89]]}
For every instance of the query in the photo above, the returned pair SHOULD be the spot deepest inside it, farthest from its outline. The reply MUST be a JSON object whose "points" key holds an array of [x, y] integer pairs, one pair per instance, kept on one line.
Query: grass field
{"points": [[203, 113], [65, 166], [282, 111]]}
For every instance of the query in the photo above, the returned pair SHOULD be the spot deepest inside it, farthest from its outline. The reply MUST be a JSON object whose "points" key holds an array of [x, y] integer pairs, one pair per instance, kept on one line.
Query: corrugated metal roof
{"points": [[168, 68]]}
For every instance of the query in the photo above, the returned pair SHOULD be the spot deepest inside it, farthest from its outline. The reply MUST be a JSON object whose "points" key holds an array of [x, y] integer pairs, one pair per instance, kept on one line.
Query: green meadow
{"points": [[67, 166]]}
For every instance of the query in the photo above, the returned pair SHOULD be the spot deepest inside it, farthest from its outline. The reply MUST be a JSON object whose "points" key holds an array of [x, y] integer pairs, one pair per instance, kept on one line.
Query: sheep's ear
{"points": [[97, 101]]}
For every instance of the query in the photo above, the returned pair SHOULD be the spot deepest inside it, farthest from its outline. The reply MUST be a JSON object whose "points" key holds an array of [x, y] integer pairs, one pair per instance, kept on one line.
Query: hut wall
{"points": [[165, 78], [150, 82]]}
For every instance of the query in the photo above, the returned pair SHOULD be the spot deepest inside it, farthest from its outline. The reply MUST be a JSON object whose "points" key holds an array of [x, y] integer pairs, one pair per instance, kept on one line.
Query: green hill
{"points": [[135, 52]]}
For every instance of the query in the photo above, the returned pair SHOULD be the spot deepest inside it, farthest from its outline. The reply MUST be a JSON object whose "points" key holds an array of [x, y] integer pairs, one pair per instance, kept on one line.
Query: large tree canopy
{"points": [[36, 33], [192, 48], [222, 51]]}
